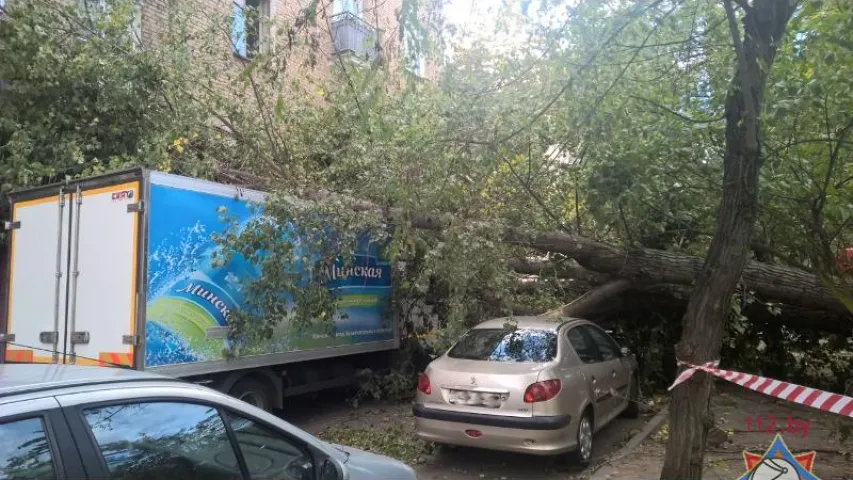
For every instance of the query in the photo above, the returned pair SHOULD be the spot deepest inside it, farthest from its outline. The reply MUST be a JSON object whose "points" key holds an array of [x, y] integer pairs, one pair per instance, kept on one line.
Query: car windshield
{"points": [[502, 345]]}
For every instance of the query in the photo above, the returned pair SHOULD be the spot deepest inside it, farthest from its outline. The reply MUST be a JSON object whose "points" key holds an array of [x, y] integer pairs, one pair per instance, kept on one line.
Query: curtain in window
{"points": [[238, 29]]}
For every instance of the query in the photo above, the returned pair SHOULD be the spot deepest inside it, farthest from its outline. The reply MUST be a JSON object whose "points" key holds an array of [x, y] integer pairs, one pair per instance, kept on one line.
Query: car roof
{"points": [[24, 378], [541, 323]]}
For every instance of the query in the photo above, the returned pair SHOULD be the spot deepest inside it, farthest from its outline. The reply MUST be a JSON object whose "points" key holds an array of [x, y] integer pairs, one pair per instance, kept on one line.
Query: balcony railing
{"points": [[352, 35]]}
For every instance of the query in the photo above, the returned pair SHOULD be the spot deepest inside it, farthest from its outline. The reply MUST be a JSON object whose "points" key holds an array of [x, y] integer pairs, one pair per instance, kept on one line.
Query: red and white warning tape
{"points": [[810, 397]]}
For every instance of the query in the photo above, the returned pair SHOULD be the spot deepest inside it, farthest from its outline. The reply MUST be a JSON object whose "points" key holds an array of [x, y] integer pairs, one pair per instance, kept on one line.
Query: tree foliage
{"points": [[598, 118]]}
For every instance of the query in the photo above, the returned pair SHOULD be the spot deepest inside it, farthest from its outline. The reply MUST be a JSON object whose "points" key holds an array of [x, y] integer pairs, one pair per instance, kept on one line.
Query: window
{"points": [[413, 58], [163, 441], [583, 345], [94, 9], [268, 454], [246, 28], [136, 23], [502, 345], [606, 346], [346, 6], [24, 450]]}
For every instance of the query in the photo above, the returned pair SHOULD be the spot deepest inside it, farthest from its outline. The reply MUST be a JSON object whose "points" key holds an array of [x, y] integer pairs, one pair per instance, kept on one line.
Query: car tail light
{"points": [[542, 391], [423, 384]]}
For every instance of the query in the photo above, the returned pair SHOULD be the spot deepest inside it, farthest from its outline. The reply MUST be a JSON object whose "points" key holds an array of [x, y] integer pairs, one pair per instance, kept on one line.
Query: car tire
{"points": [[583, 453], [253, 392], [633, 408]]}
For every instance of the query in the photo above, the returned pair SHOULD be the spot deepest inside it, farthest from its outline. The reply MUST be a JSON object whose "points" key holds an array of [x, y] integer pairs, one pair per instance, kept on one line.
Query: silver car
{"points": [[527, 384], [62, 421]]}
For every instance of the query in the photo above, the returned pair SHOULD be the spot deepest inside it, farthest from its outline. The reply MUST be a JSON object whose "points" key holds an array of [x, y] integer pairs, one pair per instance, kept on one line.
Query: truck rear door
{"points": [[38, 273], [103, 286], [73, 275]]}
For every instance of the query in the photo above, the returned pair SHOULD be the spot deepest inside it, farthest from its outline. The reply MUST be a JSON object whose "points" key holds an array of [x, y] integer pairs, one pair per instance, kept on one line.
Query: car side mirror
{"points": [[625, 351], [301, 470], [329, 471]]}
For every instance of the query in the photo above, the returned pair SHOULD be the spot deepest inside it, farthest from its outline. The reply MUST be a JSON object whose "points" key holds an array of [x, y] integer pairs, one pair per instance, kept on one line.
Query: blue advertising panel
{"points": [[189, 300]]}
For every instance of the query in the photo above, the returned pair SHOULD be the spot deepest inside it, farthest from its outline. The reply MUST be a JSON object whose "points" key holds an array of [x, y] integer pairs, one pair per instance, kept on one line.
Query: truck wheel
{"points": [[253, 392]]}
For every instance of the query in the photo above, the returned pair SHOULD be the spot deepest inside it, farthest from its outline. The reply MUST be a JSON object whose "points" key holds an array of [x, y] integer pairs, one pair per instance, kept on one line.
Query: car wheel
{"points": [[633, 408], [252, 392], [583, 453]]}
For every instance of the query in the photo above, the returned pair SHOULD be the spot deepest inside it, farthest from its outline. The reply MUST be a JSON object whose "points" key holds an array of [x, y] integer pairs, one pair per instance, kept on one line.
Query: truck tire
{"points": [[253, 392]]}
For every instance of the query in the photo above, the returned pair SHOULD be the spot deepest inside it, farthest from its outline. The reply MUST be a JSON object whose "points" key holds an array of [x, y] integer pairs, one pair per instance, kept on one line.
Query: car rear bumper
{"points": [[534, 435]]}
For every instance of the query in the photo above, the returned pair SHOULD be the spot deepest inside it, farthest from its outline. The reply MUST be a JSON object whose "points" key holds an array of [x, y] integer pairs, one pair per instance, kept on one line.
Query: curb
{"points": [[602, 473]]}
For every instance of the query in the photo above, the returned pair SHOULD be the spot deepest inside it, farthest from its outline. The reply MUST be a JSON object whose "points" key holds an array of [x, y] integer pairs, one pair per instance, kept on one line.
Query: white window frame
{"points": [[346, 6], [414, 62], [87, 6], [265, 12]]}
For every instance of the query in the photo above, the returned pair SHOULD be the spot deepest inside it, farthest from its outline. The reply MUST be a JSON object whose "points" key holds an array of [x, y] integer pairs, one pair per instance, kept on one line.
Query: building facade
{"points": [[361, 31]]}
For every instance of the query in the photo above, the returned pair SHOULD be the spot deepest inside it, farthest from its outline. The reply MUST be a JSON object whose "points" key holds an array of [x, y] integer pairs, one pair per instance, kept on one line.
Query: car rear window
{"points": [[502, 345]]}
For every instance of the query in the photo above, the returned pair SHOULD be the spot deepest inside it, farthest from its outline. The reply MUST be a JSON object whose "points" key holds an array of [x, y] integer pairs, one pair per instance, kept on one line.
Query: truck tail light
{"points": [[542, 391], [423, 384]]}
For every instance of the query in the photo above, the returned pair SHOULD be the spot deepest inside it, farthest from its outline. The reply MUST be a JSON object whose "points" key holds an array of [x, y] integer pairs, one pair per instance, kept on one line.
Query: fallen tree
{"points": [[600, 262], [771, 282]]}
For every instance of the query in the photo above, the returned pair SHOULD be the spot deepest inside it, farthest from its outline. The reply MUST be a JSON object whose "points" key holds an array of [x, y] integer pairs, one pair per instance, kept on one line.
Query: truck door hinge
{"points": [[78, 338], [48, 337], [130, 340], [137, 207], [11, 225], [7, 337]]}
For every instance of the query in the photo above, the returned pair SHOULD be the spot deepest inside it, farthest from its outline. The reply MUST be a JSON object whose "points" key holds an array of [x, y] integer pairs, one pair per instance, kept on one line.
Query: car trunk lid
{"points": [[485, 387]]}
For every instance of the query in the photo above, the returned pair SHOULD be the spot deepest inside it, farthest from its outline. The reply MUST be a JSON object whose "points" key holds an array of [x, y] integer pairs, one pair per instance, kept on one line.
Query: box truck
{"points": [[115, 270]]}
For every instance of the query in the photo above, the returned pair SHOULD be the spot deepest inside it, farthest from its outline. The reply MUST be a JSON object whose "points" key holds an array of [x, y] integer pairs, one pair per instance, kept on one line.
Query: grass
{"points": [[395, 440]]}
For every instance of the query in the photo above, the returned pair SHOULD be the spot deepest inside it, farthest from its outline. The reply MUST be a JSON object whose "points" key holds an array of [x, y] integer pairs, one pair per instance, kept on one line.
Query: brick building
{"points": [[362, 31]]}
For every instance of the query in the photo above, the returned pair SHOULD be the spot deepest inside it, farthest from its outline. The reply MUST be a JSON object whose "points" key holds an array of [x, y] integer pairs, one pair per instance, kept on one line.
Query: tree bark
{"points": [[787, 285], [563, 270], [591, 300], [704, 322], [771, 282]]}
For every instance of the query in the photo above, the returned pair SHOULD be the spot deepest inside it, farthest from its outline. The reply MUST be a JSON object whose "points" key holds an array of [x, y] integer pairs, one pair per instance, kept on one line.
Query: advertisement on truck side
{"points": [[189, 299]]}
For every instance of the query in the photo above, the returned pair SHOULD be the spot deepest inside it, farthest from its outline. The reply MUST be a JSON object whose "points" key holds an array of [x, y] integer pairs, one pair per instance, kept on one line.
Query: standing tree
{"points": [[764, 23]]}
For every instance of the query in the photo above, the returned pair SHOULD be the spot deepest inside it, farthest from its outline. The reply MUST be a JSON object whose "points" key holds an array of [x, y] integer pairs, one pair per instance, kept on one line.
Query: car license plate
{"points": [[467, 397]]}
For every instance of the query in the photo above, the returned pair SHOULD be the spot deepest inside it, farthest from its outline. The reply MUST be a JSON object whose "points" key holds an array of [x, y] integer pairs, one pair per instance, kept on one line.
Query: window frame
{"points": [[50, 434], [90, 449], [290, 438], [340, 7], [414, 61], [599, 357], [607, 338], [264, 9]]}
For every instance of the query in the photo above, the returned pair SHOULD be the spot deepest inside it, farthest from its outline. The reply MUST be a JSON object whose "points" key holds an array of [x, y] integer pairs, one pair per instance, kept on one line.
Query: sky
{"points": [[477, 19]]}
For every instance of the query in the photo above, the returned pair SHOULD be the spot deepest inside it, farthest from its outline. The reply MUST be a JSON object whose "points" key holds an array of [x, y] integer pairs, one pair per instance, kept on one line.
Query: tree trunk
{"points": [[704, 322], [591, 300], [645, 265], [770, 282]]}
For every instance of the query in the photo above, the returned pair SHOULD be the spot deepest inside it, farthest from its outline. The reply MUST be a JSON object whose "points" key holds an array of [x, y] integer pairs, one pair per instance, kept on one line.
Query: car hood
{"points": [[361, 465]]}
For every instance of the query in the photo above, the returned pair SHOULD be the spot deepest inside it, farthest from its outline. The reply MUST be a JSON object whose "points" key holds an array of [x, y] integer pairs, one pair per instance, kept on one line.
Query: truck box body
{"points": [[116, 270]]}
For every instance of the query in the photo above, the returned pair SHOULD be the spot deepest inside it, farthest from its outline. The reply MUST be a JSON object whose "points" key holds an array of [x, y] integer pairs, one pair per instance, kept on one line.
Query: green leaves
{"points": [[80, 97]]}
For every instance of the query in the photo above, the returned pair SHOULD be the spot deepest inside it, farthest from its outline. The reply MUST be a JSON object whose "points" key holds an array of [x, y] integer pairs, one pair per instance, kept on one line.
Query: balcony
{"points": [[353, 36]]}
